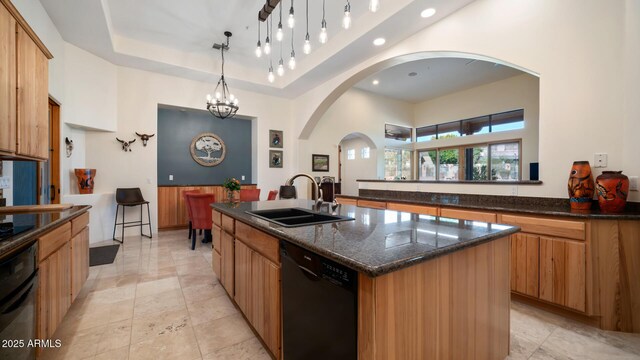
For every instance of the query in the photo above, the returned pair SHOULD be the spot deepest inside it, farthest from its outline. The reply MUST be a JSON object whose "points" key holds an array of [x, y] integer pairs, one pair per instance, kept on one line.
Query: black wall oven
{"points": [[18, 287]]}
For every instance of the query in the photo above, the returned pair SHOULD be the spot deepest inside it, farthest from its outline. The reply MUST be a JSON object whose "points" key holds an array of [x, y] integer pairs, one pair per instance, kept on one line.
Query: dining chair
{"points": [[200, 205], [272, 195], [249, 194], [186, 205]]}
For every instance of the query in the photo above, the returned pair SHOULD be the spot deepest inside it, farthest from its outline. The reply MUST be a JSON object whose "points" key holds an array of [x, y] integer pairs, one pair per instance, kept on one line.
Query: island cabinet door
{"points": [[265, 301], [216, 250], [563, 272], [79, 261], [525, 251], [243, 277], [227, 259]]}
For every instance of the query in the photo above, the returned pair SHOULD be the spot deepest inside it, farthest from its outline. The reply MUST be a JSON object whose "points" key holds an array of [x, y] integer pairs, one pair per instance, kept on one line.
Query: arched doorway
{"points": [[358, 160]]}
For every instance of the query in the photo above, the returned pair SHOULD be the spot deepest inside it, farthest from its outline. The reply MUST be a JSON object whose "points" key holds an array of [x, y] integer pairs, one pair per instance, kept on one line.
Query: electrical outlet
{"points": [[5, 182], [600, 160], [170, 177], [242, 177], [633, 183]]}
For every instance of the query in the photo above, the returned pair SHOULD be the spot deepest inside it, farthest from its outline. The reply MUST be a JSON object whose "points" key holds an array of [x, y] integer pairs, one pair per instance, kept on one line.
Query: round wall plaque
{"points": [[207, 149]]}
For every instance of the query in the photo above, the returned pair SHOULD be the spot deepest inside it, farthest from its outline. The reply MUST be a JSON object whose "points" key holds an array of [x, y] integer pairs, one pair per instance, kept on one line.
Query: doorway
{"points": [[50, 171], [358, 160]]}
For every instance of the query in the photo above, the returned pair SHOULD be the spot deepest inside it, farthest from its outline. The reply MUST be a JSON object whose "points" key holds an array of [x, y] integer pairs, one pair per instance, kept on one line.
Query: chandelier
{"points": [[267, 12], [223, 104]]}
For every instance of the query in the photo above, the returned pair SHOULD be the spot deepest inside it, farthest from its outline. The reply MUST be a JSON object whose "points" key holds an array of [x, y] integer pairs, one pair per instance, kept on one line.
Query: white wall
{"points": [[358, 168], [139, 93], [517, 92], [7, 171], [582, 61], [90, 97], [356, 111]]}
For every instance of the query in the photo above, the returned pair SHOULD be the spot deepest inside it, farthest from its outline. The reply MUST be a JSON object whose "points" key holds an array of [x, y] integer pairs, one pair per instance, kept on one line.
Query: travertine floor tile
{"points": [[221, 333]]}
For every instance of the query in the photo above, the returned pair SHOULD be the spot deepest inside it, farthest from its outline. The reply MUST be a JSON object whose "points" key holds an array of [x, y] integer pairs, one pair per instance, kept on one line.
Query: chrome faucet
{"points": [[318, 193]]}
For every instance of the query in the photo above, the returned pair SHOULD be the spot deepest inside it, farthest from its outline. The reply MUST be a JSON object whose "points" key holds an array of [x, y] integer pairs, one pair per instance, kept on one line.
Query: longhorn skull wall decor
{"points": [[126, 145], [69, 146], [145, 138]]}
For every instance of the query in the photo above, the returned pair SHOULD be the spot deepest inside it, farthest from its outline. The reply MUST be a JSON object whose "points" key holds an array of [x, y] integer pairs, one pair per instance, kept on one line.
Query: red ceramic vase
{"points": [[612, 188], [85, 180], [581, 186]]}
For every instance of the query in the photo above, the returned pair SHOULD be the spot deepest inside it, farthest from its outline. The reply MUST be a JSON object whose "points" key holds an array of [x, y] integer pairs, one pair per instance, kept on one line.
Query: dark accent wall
{"points": [[176, 129]]}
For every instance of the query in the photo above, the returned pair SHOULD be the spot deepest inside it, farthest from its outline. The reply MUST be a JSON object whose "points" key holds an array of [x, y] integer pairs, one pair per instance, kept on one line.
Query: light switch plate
{"points": [[242, 177], [633, 183], [5, 182], [600, 160], [170, 177]]}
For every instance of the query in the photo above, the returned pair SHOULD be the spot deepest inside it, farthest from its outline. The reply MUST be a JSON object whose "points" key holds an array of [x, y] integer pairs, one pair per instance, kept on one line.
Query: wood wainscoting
{"points": [[172, 212]]}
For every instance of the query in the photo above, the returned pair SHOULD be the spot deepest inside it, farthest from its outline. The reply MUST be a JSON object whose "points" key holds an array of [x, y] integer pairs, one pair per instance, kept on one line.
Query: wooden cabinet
{"points": [[468, 215], [563, 272], [346, 201], [24, 90], [525, 250], [7, 81], [54, 294], [172, 211], [226, 262], [372, 204], [258, 294], [416, 209], [79, 261]]}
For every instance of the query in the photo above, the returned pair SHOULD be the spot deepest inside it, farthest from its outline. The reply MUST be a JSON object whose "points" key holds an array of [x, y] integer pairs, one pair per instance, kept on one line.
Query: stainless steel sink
{"points": [[294, 217]]}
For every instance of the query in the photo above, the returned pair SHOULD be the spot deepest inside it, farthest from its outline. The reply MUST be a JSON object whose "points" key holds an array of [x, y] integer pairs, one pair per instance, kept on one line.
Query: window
{"points": [[351, 154], [506, 121], [427, 161], [505, 161], [494, 161], [364, 153], [448, 164], [396, 132], [397, 164]]}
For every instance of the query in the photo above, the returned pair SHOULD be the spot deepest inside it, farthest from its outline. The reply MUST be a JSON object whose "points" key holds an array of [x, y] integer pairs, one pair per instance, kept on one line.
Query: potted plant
{"points": [[232, 185]]}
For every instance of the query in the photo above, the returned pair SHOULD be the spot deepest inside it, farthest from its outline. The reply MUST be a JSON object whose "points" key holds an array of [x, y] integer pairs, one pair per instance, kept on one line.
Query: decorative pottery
{"points": [[85, 180], [612, 188], [581, 186]]}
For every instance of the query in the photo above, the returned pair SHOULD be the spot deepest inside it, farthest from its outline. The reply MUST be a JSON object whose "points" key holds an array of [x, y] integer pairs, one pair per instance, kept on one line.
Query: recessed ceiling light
{"points": [[413, 73], [379, 41], [428, 12], [375, 82]]}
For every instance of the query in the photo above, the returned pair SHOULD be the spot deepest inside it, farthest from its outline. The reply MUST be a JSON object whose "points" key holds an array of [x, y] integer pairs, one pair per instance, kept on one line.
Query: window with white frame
{"points": [[364, 153], [351, 154]]}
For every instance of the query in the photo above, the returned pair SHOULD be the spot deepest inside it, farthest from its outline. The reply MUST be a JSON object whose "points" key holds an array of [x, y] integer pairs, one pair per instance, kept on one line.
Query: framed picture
{"points": [[319, 162], [207, 149], [275, 158], [275, 138]]}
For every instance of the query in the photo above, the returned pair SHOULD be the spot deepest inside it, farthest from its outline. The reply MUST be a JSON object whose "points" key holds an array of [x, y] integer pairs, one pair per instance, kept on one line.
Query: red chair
{"points": [[250, 195], [201, 215], [186, 204], [272, 195]]}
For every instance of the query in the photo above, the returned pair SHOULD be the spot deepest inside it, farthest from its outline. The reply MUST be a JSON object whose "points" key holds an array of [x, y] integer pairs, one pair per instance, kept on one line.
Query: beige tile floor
{"points": [[160, 300]]}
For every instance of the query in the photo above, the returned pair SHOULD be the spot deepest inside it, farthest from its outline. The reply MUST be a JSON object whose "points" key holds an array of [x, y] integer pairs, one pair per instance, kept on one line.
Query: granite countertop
{"points": [[377, 241], [42, 222], [516, 204]]}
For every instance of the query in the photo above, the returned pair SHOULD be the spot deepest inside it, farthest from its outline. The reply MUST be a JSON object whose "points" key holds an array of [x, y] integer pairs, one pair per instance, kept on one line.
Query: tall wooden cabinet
{"points": [[24, 88]]}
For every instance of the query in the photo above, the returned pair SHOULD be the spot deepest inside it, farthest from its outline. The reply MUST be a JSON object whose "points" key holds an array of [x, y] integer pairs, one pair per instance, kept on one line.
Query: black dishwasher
{"points": [[319, 306]]}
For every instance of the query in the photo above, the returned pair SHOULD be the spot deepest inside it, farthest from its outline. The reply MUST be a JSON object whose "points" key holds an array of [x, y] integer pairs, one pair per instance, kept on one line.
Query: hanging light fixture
{"points": [[292, 59], [291, 21], [259, 45], [224, 104], [281, 63], [267, 41], [271, 77], [323, 29], [346, 20], [374, 5], [306, 48], [279, 32]]}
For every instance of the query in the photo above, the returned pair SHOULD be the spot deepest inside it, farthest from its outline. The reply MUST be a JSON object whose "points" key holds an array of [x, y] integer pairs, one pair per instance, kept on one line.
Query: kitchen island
{"points": [[428, 287]]}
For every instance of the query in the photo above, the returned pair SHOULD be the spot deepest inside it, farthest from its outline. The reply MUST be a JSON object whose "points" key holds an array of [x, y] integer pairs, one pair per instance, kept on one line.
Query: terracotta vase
{"points": [[612, 188], [581, 186], [85, 180]]}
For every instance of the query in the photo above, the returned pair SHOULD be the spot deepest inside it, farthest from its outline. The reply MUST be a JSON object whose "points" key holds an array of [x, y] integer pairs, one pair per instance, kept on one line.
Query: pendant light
{"points": [[225, 104], [346, 20], [374, 5], [267, 41], [271, 77], [291, 21], [323, 29], [306, 48], [281, 63], [279, 32], [292, 59], [259, 45]]}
